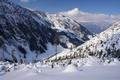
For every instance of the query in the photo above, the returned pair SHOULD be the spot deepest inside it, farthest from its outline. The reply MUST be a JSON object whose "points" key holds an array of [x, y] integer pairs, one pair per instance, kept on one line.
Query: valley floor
{"points": [[101, 72]]}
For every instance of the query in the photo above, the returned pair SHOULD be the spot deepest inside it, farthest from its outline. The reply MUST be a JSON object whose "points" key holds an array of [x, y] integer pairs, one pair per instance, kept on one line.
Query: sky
{"points": [[91, 6]]}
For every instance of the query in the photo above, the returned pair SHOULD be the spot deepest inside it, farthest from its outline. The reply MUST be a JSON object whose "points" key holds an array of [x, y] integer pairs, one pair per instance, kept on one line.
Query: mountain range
{"points": [[28, 36]]}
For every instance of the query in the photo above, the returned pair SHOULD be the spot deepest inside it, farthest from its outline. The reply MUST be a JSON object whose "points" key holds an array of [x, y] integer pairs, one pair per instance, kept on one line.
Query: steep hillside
{"points": [[70, 31], [28, 36], [22, 33], [104, 46]]}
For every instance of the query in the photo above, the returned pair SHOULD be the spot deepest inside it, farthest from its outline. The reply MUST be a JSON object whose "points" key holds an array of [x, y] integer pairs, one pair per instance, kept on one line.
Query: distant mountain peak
{"points": [[95, 22]]}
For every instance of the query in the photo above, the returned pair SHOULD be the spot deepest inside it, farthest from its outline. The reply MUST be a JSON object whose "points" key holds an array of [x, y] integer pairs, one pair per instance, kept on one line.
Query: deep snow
{"points": [[43, 72], [70, 68]]}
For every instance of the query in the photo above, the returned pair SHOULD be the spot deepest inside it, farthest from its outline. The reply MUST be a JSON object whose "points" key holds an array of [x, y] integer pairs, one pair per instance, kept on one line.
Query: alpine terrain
{"points": [[55, 45], [28, 36], [104, 46]]}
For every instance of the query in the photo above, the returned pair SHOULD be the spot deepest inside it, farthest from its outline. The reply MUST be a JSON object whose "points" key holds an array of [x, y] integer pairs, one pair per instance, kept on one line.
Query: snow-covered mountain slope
{"points": [[89, 20], [70, 31], [27, 35], [104, 46], [23, 34]]}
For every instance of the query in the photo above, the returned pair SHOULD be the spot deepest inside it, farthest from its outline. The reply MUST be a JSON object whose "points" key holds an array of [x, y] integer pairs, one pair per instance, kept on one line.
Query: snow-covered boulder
{"points": [[71, 68]]}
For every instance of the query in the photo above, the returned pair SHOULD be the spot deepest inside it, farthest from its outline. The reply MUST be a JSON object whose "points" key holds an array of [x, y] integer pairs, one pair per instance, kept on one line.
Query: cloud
{"points": [[24, 1], [73, 12], [81, 16]]}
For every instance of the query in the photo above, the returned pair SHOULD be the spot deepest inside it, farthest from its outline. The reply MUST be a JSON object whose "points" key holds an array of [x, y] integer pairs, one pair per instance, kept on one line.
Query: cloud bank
{"points": [[81, 16]]}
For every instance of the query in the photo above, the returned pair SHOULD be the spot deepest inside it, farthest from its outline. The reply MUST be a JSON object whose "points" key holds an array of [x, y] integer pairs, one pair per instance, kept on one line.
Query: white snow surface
{"points": [[71, 68], [45, 72]]}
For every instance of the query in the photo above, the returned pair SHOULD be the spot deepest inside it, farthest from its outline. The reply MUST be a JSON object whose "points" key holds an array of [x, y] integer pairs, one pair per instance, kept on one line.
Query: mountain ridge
{"points": [[28, 36], [104, 46]]}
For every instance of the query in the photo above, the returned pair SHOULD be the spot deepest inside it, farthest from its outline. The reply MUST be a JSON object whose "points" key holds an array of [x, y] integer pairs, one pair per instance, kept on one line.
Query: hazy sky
{"points": [[92, 6]]}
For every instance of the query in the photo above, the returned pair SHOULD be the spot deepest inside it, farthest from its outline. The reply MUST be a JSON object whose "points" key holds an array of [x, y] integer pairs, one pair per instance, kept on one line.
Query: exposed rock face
{"points": [[29, 35], [21, 28]]}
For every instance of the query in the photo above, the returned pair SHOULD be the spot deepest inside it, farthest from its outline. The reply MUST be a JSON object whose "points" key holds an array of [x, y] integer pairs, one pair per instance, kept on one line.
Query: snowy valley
{"points": [[72, 45]]}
